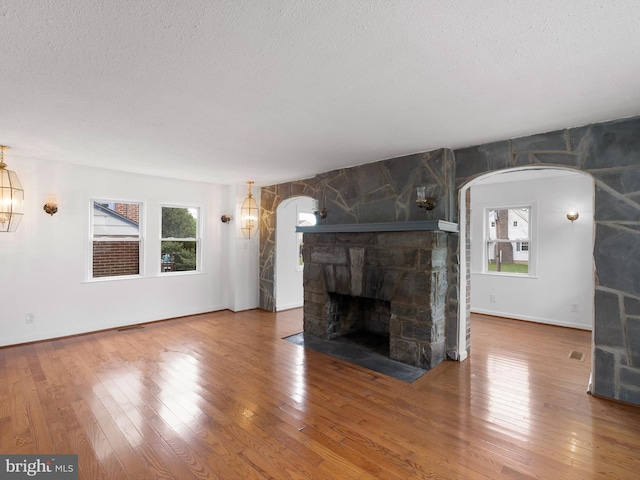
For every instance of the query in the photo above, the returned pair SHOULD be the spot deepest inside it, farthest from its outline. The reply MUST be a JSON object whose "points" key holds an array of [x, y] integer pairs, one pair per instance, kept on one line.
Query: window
{"points": [[115, 238], [180, 241], [305, 219], [507, 240]]}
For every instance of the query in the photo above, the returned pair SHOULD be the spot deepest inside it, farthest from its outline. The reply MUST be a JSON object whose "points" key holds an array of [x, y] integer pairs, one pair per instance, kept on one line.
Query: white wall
{"points": [[563, 261], [44, 264], [242, 256], [289, 290]]}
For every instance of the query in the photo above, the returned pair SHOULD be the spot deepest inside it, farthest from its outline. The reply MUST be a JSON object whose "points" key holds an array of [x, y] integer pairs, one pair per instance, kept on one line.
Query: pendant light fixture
{"points": [[249, 215], [11, 197]]}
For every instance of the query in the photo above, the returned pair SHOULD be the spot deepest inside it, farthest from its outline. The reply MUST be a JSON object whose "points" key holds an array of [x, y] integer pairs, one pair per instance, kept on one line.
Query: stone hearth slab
{"points": [[358, 355]]}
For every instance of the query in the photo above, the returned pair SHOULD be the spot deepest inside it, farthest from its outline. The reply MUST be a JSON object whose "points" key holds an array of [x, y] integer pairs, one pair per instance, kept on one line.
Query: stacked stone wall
{"points": [[609, 152]]}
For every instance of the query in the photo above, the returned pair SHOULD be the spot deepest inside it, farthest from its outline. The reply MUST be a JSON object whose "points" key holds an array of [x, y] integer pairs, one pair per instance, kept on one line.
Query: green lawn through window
{"points": [[510, 267]]}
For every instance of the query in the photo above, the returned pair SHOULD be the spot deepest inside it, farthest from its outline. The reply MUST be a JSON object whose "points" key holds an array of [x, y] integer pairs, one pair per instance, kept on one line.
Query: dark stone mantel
{"points": [[425, 225]]}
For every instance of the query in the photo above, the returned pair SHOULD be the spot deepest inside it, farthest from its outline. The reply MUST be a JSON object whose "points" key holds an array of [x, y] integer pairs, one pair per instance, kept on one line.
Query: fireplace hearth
{"points": [[389, 280]]}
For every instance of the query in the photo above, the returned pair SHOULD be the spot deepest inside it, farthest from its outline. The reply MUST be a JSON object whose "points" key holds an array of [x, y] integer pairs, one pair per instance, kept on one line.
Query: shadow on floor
{"points": [[368, 352]]}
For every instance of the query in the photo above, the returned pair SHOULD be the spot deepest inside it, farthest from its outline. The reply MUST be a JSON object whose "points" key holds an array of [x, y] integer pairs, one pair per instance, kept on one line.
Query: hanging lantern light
{"points": [[11, 197], [249, 214]]}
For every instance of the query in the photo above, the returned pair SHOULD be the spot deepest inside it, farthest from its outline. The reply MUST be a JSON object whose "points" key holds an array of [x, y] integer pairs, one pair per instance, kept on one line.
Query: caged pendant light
{"points": [[249, 215], [11, 197]]}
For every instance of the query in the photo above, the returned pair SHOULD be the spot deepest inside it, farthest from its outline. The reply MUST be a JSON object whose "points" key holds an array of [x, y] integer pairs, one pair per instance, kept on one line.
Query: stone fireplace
{"points": [[389, 279]]}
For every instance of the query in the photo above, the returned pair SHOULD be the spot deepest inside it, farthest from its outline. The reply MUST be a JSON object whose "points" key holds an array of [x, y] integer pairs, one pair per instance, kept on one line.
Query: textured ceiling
{"points": [[275, 90]]}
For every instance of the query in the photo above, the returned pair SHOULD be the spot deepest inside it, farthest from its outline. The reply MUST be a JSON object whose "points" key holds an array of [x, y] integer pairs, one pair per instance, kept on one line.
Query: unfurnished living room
{"points": [[320, 239]]}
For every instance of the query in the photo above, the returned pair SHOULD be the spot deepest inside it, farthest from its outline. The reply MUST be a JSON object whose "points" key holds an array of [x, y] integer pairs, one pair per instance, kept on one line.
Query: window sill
{"points": [[180, 274], [139, 277], [113, 279], [505, 274]]}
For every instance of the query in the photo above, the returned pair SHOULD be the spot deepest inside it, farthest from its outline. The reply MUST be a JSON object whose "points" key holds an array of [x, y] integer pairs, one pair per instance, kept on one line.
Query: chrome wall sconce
{"points": [[11, 197], [572, 215], [226, 218], [424, 203], [249, 214]]}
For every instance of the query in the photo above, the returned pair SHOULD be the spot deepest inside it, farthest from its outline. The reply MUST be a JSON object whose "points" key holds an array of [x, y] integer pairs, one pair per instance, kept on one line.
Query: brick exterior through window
{"points": [[112, 259], [116, 239], [128, 210]]}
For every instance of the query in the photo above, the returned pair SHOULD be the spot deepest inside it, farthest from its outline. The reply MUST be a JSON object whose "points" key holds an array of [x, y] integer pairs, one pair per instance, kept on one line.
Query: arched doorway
{"points": [[560, 248], [288, 286]]}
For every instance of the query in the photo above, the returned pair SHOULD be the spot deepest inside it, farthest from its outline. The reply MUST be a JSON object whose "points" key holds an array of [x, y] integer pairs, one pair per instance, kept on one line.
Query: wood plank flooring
{"points": [[222, 396]]}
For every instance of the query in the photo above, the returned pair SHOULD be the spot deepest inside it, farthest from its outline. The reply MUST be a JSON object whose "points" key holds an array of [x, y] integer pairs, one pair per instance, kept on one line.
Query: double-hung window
{"points": [[508, 240], [116, 240], [180, 242]]}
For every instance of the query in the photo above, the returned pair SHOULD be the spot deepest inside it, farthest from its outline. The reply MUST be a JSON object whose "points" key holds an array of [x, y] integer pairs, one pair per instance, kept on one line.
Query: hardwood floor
{"points": [[221, 396]]}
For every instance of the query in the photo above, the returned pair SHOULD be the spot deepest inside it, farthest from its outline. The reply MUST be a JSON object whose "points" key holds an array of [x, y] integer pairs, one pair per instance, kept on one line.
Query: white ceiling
{"points": [[275, 90]]}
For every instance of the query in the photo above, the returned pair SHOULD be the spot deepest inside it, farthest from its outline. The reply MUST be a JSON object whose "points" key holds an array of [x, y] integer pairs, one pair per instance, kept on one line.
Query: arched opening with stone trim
{"points": [[550, 284], [292, 212]]}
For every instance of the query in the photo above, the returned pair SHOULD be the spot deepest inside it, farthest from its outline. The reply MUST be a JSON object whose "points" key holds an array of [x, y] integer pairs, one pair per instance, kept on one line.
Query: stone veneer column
{"points": [[418, 315]]}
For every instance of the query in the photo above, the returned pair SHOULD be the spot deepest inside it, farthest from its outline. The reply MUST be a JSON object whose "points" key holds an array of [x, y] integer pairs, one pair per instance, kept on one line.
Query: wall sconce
{"points": [[51, 206], [249, 214], [11, 197], [572, 215], [226, 218], [425, 203]]}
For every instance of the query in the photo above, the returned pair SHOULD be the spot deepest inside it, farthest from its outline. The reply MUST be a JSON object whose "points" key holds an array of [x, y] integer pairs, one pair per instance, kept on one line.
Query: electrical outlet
{"points": [[574, 307], [29, 318], [492, 298]]}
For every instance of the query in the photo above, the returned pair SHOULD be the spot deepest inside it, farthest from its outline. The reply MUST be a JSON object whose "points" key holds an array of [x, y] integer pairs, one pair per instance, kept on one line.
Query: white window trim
{"points": [[299, 211], [197, 239], [91, 239], [531, 239]]}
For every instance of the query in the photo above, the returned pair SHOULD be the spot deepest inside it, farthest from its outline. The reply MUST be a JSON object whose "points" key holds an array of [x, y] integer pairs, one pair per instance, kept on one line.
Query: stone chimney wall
{"points": [[407, 269]]}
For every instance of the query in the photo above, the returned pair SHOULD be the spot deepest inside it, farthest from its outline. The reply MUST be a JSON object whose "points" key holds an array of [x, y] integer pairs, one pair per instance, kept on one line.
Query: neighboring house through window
{"points": [[508, 237], [115, 238]]}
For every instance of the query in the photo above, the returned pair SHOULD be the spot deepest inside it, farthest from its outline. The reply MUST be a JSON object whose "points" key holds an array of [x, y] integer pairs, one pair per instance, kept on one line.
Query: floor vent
{"points": [[573, 355], [130, 327]]}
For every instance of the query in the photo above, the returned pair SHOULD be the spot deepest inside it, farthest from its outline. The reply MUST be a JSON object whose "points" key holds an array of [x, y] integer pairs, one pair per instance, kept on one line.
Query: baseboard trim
{"points": [[547, 321]]}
